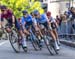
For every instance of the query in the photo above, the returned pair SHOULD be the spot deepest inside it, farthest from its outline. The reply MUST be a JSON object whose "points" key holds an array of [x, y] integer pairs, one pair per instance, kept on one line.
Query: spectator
{"points": [[58, 20], [71, 13]]}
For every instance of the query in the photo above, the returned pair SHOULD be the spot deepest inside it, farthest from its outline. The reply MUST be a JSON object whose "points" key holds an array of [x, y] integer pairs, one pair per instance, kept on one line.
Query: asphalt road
{"points": [[6, 52]]}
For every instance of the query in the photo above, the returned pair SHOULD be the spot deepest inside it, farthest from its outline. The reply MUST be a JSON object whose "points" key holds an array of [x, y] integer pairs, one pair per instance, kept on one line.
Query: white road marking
{"points": [[3, 43]]}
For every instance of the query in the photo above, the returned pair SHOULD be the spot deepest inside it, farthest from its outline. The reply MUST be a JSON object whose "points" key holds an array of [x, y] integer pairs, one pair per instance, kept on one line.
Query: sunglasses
{"points": [[3, 10], [25, 14], [35, 15]]}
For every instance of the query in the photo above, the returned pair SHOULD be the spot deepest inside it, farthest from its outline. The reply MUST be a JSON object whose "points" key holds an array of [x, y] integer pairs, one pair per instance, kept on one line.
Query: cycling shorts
{"points": [[53, 25], [28, 24], [45, 25], [10, 24]]}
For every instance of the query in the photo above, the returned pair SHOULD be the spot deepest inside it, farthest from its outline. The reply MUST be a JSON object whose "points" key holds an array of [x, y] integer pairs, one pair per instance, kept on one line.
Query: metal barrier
{"points": [[66, 30]]}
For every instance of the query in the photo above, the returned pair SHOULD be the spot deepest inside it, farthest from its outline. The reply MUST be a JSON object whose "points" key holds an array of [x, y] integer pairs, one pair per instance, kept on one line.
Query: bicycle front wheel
{"points": [[13, 38], [50, 45]]}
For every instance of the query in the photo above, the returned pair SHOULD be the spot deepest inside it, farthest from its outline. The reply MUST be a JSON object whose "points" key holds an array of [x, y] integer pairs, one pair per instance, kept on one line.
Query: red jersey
{"points": [[7, 15]]}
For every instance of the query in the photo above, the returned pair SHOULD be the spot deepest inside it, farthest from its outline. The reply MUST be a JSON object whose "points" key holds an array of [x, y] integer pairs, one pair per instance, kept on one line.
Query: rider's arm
{"points": [[35, 24], [48, 21], [10, 12], [13, 19], [49, 24], [34, 21], [45, 17], [2, 21], [23, 22]]}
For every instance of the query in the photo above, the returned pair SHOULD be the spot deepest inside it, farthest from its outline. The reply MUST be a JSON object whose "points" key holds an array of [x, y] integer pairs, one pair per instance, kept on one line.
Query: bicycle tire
{"points": [[52, 46], [47, 46], [10, 40], [34, 41]]}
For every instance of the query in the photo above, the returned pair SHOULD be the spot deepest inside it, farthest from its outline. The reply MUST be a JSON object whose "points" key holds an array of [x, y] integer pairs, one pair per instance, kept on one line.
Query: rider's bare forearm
{"points": [[13, 19]]}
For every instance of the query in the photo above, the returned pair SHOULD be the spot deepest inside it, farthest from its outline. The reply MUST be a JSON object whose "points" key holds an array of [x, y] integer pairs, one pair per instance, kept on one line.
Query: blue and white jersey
{"points": [[26, 19], [52, 20], [34, 21], [42, 19]]}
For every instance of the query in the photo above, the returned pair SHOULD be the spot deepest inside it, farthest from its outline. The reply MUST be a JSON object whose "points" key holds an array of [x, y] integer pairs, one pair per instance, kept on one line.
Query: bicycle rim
{"points": [[52, 46], [14, 43], [48, 47], [34, 43]]}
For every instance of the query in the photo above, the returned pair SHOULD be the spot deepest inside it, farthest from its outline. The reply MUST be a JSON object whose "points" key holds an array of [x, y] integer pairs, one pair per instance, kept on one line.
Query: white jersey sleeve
{"points": [[34, 21], [52, 19]]}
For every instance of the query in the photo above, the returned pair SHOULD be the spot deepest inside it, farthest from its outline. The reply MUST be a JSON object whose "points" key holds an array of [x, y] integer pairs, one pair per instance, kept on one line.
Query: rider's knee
{"points": [[37, 29], [8, 29], [20, 32], [26, 32]]}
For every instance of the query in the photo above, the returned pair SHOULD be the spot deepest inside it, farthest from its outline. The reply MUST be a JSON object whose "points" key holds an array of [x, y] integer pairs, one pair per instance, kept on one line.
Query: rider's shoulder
{"points": [[9, 11], [43, 15], [29, 16], [22, 17]]}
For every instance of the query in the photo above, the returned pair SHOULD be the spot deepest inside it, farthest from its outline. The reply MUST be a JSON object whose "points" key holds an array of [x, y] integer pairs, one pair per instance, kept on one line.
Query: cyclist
{"points": [[37, 29], [42, 19], [7, 14], [54, 25], [26, 21], [12, 21], [34, 21]]}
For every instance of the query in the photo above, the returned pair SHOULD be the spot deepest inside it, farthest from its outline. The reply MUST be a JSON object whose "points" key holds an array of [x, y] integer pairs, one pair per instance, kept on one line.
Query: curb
{"points": [[68, 43]]}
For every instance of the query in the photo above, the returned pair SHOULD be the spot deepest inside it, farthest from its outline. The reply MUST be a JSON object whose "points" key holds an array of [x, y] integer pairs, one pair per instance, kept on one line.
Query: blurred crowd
{"points": [[66, 22]]}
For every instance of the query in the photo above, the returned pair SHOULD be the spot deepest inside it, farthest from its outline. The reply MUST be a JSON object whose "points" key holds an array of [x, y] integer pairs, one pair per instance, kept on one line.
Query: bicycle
{"points": [[16, 43], [14, 40], [49, 42], [34, 39]]}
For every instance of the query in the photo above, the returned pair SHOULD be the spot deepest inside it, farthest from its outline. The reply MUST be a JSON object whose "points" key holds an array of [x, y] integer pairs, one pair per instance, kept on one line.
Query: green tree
{"points": [[19, 5]]}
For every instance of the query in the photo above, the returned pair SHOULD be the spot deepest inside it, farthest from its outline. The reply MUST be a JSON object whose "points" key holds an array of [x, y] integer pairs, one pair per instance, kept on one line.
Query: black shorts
{"points": [[45, 25], [53, 25], [28, 24], [10, 24]]}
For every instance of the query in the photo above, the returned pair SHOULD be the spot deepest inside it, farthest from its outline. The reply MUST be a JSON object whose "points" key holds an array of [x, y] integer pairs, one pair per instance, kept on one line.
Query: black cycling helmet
{"points": [[36, 12], [3, 7], [32, 13], [24, 12]]}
